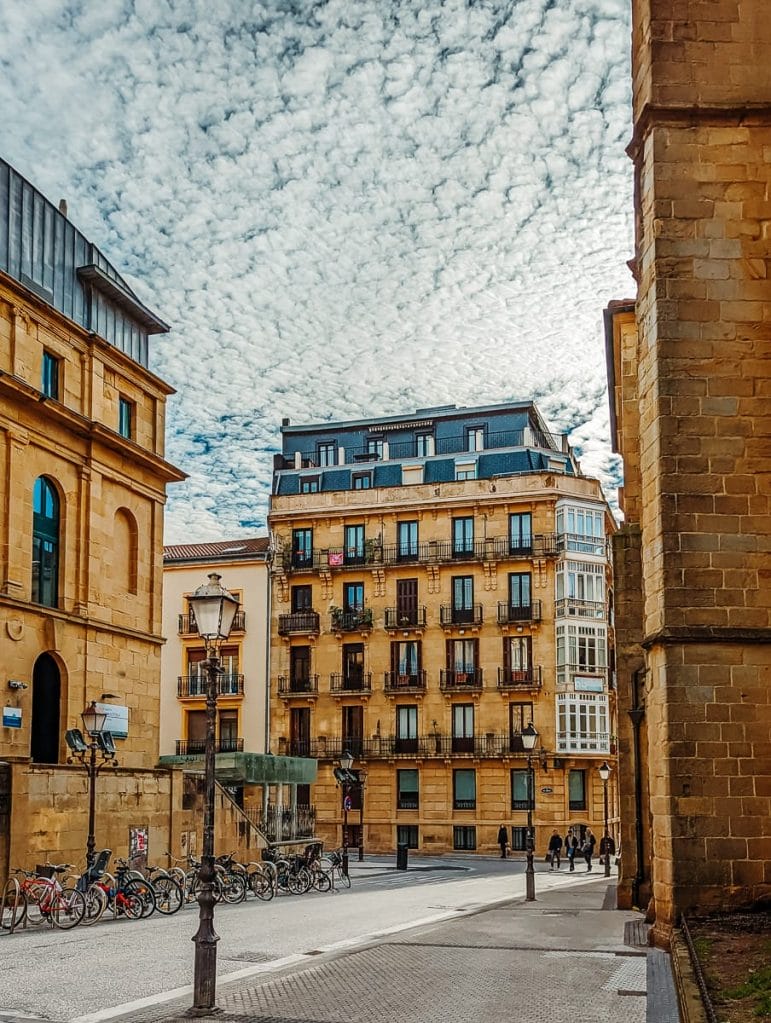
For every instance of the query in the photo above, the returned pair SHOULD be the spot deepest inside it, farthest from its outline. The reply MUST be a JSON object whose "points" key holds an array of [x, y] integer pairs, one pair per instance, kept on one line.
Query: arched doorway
{"points": [[46, 709]]}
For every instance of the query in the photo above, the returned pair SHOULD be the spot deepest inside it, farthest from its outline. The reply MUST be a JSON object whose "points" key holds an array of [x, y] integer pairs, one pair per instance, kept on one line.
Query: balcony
{"points": [[408, 801], [450, 616], [304, 685], [582, 544], [570, 607], [189, 686], [405, 682], [300, 560], [360, 683], [584, 742], [186, 624], [299, 622], [197, 747], [519, 678], [351, 621], [510, 614], [460, 681], [423, 747], [405, 618]]}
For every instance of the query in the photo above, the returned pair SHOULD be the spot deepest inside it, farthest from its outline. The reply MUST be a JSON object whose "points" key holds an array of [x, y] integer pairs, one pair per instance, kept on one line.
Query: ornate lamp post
{"points": [[346, 763], [604, 771], [214, 610], [101, 742], [529, 739]]}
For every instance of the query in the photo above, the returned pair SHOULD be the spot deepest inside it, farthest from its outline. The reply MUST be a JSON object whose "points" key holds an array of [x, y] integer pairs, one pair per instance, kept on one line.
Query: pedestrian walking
{"points": [[607, 847], [571, 847], [588, 848], [503, 840], [555, 848]]}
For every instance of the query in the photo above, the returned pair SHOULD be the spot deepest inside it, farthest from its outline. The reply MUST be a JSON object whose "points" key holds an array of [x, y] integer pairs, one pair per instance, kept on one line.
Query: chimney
{"points": [[63, 207]]}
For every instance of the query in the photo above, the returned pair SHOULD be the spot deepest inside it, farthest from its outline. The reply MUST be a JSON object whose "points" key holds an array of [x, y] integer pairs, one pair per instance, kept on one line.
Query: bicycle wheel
{"points": [[130, 905], [68, 907], [322, 881], [36, 899], [145, 892], [233, 888], [13, 906], [96, 904], [262, 885], [168, 896], [343, 878]]}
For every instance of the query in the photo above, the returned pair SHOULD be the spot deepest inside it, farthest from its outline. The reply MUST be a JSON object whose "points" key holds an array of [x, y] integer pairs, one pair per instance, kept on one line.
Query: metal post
{"points": [[206, 938], [607, 837], [91, 841], [361, 822], [345, 829], [530, 869]]}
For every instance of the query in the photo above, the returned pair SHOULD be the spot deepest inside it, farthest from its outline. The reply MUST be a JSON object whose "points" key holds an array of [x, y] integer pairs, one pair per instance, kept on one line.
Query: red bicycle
{"points": [[41, 899]]}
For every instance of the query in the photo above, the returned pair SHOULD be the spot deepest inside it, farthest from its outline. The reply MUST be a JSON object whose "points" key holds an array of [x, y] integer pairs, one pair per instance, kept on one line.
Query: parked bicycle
{"points": [[40, 898]]}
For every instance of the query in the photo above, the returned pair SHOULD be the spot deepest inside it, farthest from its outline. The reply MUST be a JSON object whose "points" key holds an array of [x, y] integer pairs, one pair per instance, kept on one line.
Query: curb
{"points": [[688, 993]]}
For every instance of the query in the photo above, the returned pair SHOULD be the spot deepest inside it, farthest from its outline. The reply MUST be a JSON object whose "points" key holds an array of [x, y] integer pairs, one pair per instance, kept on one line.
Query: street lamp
{"points": [[529, 739], [346, 763], [101, 742], [604, 770], [214, 610]]}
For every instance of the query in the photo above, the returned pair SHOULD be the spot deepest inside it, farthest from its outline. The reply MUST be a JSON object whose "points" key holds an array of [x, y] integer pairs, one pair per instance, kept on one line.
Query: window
{"points": [[299, 732], [406, 729], [405, 658], [50, 377], [302, 548], [577, 789], [309, 484], [519, 590], [424, 444], [353, 666], [463, 537], [581, 529], [520, 789], [45, 543], [462, 655], [302, 598], [125, 417], [407, 796], [407, 834], [228, 730], [464, 789], [463, 599], [520, 533], [353, 597], [581, 589], [327, 453], [582, 723], [464, 837], [475, 438], [581, 649], [520, 716], [518, 658], [354, 545], [407, 602], [353, 730], [300, 669], [362, 480], [412, 474], [465, 470], [463, 728], [375, 447], [407, 540], [519, 839]]}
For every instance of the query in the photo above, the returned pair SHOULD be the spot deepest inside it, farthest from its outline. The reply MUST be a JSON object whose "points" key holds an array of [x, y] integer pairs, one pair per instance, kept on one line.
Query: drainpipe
{"points": [[637, 713]]}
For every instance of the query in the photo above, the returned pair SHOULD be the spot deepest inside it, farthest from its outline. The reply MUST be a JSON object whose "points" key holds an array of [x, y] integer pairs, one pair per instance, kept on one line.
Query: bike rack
{"points": [[13, 888]]}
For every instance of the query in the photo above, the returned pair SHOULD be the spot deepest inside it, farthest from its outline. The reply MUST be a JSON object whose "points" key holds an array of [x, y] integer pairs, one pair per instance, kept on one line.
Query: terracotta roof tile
{"points": [[239, 548]]}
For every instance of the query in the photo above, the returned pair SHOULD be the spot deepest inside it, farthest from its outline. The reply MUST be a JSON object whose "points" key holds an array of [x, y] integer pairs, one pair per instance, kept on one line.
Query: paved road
{"points": [[69, 975]]}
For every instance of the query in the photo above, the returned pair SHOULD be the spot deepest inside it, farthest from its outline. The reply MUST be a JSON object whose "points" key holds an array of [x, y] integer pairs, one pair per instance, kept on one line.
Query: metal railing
{"points": [[405, 618], [359, 683], [195, 685], [404, 682], [186, 623], [510, 613], [451, 615], [303, 685], [298, 621], [197, 747], [387, 747], [351, 621], [520, 678], [460, 680], [283, 823]]}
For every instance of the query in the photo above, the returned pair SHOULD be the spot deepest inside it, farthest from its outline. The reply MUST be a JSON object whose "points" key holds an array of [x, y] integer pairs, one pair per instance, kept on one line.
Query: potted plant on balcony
{"points": [[373, 550], [336, 614]]}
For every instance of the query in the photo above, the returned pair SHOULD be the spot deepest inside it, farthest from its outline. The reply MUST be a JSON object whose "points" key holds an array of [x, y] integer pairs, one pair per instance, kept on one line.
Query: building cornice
{"points": [[687, 634]]}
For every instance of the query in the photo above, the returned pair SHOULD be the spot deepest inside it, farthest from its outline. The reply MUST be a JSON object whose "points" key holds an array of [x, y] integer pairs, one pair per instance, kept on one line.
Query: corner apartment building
{"points": [[439, 581], [81, 520]]}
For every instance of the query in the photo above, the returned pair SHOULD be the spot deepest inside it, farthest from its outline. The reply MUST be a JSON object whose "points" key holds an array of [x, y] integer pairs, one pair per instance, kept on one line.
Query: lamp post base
{"points": [[530, 879], [607, 864], [205, 938]]}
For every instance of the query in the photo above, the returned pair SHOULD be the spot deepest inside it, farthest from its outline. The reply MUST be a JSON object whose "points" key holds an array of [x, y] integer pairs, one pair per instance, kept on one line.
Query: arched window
{"points": [[45, 543]]}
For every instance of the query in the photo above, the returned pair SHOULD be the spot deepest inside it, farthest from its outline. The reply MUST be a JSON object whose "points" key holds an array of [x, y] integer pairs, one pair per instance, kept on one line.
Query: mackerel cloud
{"points": [[346, 209]]}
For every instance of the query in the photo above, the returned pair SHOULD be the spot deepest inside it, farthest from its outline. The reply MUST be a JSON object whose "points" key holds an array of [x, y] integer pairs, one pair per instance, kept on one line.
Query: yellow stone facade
{"points": [[691, 401], [331, 718]]}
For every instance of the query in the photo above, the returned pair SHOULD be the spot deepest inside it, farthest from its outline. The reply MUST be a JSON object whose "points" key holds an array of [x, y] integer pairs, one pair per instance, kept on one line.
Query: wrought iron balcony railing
{"points": [[298, 622], [405, 618], [197, 747], [351, 621], [195, 685], [408, 801], [511, 613], [450, 615], [303, 685], [359, 683], [187, 627], [435, 745], [404, 682], [520, 678], [450, 679]]}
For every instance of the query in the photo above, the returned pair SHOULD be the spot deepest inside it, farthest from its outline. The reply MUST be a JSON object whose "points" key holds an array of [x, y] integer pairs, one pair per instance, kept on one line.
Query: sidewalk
{"points": [[559, 958]]}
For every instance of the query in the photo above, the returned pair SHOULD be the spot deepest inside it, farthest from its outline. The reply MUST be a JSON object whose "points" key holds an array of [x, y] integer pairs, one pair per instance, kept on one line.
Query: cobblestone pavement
{"points": [[553, 960]]}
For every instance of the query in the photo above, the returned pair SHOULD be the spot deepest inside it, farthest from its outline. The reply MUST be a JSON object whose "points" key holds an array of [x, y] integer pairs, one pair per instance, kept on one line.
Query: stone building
{"points": [[690, 401], [440, 580], [81, 517]]}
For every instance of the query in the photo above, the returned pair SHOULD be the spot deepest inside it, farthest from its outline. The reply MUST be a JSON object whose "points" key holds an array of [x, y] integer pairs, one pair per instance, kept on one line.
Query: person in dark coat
{"points": [[607, 847], [588, 848], [503, 840], [555, 848], [571, 847]]}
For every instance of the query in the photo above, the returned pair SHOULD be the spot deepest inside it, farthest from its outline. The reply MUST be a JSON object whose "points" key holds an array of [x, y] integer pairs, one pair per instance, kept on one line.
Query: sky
{"points": [[345, 209]]}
